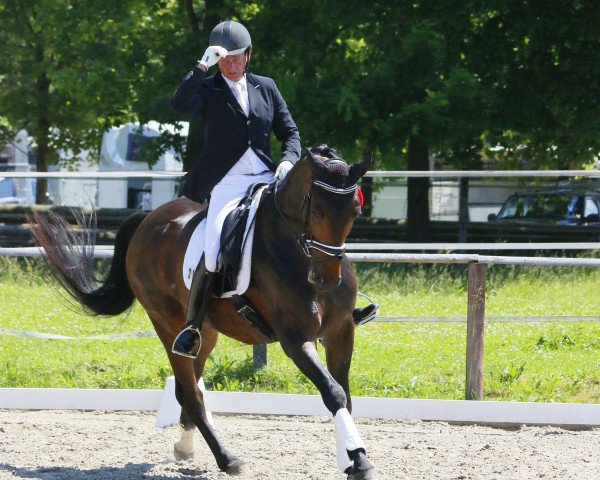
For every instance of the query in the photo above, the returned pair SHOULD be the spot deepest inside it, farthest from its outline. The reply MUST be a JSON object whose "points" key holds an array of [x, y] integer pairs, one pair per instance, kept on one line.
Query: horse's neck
{"points": [[291, 192]]}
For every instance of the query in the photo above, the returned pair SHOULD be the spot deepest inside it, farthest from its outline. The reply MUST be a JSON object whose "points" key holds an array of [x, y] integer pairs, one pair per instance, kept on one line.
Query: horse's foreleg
{"points": [[191, 399], [338, 352], [351, 456]]}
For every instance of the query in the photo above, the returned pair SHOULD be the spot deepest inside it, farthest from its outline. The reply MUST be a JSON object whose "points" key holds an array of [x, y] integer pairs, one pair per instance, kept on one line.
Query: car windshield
{"points": [[547, 206]]}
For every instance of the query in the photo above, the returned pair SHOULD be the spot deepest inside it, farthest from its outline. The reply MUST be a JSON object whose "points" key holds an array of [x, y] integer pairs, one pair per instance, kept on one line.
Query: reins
{"points": [[305, 239]]}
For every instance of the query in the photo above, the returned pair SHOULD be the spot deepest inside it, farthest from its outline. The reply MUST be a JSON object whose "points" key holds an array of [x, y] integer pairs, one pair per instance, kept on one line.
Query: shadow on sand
{"points": [[127, 472]]}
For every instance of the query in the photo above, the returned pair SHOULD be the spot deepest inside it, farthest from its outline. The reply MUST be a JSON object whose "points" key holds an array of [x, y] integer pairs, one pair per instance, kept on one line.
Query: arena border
{"points": [[495, 413]]}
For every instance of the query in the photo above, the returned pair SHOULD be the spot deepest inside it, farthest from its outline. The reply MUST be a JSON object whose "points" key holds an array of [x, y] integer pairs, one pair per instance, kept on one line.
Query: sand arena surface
{"points": [[74, 445]]}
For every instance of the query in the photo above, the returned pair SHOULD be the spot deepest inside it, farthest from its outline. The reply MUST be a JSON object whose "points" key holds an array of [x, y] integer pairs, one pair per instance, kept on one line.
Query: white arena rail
{"points": [[373, 174]]}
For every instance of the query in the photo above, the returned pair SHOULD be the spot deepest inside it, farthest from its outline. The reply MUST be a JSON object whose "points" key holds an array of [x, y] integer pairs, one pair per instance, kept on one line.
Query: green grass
{"points": [[534, 361]]}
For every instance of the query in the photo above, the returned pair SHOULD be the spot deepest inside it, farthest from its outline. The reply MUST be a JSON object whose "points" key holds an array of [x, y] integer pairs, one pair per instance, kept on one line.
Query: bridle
{"points": [[305, 239]]}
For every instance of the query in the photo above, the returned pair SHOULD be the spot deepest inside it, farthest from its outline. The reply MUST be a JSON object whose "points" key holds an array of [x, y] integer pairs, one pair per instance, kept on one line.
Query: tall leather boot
{"points": [[188, 342]]}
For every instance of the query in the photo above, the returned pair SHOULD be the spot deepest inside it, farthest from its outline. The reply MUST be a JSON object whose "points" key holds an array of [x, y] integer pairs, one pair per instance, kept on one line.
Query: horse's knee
{"points": [[338, 398]]}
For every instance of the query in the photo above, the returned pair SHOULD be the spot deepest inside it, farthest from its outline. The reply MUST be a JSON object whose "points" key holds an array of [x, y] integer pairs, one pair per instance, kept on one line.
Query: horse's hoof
{"points": [[237, 467], [181, 455], [370, 474]]}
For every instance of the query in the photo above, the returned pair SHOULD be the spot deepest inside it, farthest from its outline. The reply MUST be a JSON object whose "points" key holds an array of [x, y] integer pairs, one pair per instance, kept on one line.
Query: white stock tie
{"points": [[241, 96]]}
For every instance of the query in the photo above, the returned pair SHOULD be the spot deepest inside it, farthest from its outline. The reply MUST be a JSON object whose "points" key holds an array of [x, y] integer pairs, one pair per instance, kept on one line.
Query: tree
{"points": [[65, 69], [540, 63]]}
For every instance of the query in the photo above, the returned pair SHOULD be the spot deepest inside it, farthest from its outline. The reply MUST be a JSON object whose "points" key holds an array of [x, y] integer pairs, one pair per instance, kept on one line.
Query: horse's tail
{"points": [[70, 253]]}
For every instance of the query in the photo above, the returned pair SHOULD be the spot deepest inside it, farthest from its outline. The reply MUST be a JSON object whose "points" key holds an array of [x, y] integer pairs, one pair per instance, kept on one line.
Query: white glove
{"points": [[212, 56], [282, 170]]}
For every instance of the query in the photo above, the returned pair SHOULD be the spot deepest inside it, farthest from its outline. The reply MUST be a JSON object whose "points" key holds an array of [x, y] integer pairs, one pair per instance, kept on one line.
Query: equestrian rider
{"points": [[239, 111]]}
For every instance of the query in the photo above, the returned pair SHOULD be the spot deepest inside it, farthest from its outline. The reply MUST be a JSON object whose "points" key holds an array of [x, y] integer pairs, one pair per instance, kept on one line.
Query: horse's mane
{"points": [[326, 151], [337, 168]]}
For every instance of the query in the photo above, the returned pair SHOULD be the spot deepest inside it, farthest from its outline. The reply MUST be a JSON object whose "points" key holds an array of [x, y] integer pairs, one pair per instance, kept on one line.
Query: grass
{"points": [[533, 361]]}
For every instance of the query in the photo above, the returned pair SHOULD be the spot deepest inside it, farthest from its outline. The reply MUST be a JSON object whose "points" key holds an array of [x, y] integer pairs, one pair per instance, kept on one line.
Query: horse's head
{"points": [[330, 205]]}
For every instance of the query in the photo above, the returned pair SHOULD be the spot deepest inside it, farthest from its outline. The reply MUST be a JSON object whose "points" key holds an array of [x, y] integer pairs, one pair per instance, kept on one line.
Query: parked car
{"points": [[564, 206]]}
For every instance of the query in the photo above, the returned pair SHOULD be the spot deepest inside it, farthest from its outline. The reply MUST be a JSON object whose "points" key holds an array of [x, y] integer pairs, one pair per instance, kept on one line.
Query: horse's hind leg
{"points": [[191, 399], [187, 392], [184, 448], [350, 446]]}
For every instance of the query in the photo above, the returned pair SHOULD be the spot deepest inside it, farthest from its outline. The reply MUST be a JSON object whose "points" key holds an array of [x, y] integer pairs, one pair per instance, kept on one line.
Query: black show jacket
{"points": [[228, 132]]}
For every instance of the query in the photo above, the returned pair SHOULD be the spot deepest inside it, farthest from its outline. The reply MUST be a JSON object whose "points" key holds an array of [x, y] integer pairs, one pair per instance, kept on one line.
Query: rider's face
{"points": [[232, 66]]}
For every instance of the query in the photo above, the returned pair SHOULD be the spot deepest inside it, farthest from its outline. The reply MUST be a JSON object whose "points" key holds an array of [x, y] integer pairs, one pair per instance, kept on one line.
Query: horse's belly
{"points": [[226, 320]]}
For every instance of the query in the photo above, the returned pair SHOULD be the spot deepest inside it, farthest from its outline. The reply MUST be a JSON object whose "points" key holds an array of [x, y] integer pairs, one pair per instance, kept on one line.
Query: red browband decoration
{"points": [[359, 193]]}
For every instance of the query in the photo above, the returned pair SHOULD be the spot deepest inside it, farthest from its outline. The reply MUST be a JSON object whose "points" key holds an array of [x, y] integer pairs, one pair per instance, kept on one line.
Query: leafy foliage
{"points": [[458, 79]]}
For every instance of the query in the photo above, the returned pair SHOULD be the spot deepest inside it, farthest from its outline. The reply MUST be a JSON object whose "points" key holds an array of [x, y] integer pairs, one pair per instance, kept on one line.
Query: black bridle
{"points": [[305, 239]]}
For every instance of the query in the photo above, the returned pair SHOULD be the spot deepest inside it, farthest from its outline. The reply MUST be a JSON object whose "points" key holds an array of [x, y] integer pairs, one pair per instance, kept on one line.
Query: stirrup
{"points": [[182, 346], [365, 314]]}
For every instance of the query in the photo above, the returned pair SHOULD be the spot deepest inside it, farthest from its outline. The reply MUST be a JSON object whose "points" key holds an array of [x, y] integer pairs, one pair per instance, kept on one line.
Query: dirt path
{"points": [[73, 445]]}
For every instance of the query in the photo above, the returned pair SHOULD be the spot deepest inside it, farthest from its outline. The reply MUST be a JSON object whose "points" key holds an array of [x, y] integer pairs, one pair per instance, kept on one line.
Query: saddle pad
{"points": [[195, 248]]}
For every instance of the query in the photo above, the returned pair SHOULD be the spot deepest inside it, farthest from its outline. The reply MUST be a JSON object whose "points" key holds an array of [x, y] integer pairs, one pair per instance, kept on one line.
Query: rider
{"points": [[239, 111]]}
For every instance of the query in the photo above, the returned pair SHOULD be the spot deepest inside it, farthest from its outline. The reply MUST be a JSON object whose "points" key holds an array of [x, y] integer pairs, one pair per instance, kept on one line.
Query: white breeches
{"points": [[224, 197]]}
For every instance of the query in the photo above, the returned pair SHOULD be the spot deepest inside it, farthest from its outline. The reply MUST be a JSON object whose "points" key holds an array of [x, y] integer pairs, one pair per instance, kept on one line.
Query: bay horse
{"points": [[302, 285]]}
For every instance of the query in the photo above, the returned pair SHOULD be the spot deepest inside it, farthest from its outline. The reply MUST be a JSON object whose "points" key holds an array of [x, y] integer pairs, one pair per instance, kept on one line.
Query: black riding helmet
{"points": [[232, 36]]}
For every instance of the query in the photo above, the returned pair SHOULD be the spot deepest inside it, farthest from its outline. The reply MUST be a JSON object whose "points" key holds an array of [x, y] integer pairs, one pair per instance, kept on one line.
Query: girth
{"points": [[245, 308]]}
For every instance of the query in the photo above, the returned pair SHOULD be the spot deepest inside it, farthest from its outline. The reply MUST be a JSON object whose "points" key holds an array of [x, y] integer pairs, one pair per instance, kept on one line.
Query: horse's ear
{"points": [[357, 170], [317, 167]]}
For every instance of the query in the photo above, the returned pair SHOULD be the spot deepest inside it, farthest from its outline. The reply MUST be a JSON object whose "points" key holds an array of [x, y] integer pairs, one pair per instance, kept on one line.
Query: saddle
{"points": [[233, 238], [234, 235]]}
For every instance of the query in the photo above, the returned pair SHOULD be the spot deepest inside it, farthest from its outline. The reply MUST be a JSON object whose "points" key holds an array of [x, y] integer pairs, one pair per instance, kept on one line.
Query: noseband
{"points": [[306, 240]]}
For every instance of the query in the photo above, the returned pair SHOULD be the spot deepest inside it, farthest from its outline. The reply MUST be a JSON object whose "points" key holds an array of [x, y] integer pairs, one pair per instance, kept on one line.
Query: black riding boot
{"points": [[188, 342], [364, 314]]}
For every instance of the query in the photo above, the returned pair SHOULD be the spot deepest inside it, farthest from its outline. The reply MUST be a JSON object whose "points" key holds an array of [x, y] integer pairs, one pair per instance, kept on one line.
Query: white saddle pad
{"points": [[195, 248]]}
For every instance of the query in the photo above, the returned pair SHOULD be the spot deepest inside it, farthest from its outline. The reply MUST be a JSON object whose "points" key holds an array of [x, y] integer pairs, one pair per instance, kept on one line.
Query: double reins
{"points": [[306, 239]]}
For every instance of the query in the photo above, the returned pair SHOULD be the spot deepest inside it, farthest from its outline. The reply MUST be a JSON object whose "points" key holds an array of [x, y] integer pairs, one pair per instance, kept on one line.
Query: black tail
{"points": [[70, 253]]}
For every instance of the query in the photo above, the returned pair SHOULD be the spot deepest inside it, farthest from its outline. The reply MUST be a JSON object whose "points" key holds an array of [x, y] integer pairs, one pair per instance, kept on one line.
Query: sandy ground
{"points": [[53, 445]]}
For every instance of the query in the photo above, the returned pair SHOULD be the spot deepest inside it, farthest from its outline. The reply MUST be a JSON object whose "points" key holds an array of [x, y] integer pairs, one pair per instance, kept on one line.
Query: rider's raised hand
{"points": [[212, 56]]}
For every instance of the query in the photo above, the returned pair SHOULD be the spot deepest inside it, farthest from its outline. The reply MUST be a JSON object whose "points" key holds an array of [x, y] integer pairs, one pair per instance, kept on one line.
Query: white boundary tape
{"points": [[460, 411]]}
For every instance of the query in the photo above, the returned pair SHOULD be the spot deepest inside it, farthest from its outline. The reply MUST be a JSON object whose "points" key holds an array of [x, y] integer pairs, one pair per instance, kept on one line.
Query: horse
{"points": [[302, 285]]}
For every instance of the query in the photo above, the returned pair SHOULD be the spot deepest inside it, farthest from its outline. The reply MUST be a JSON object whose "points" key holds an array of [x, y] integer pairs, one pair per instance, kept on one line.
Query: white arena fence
{"points": [[374, 174]]}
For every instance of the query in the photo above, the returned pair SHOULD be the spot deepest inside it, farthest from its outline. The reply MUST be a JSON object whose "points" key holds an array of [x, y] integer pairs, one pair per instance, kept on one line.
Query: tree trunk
{"points": [[42, 132], [463, 209], [41, 184], [417, 219]]}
